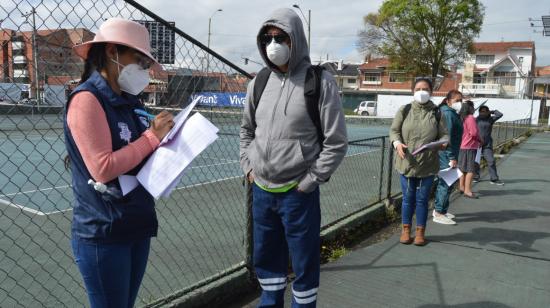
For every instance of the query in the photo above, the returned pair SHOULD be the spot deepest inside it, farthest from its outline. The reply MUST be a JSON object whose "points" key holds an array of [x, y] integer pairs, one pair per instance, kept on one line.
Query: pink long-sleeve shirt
{"points": [[470, 137], [90, 130]]}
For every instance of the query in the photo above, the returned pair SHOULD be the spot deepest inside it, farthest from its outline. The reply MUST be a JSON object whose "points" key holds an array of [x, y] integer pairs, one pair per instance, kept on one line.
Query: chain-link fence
{"points": [[505, 131], [203, 224]]}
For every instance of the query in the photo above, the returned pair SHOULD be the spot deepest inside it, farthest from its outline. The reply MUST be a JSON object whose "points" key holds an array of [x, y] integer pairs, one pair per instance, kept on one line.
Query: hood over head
{"points": [[288, 21]]}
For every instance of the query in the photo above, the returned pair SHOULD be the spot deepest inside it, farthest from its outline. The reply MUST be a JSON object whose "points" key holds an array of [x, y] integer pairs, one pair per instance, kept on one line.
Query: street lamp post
{"points": [[308, 21], [210, 26], [208, 43]]}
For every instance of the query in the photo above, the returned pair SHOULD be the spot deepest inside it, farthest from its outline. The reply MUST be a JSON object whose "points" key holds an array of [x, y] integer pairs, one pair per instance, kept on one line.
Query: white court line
{"points": [[362, 153], [24, 208], [57, 212], [210, 182], [213, 165], [231, 160], [5, 202], [33, 191]]}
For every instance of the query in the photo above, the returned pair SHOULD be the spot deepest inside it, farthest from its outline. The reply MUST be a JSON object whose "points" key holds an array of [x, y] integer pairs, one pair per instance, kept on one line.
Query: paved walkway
{"points": [[497, 256]]}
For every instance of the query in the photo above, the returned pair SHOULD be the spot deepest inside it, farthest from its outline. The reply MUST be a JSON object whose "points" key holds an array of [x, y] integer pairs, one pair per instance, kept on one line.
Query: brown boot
{"points": [[419, 239], [405, 235]]}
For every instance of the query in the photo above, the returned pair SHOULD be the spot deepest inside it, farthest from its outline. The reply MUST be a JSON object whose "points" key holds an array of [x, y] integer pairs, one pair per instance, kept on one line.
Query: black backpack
{"points": [[312, 94]]}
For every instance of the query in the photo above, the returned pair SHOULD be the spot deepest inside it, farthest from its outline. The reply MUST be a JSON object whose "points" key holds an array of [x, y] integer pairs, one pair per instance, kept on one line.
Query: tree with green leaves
{"points": [[422, 36]]}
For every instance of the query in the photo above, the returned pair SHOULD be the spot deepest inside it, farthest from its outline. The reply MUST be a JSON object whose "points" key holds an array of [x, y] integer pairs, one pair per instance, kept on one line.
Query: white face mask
{"points": [[422, 96], [278, 54], [457, 106], [132, 79]]}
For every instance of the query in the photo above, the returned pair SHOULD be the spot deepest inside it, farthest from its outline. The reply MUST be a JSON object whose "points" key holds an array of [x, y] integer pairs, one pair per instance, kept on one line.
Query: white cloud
{"points": [[334, 24]]}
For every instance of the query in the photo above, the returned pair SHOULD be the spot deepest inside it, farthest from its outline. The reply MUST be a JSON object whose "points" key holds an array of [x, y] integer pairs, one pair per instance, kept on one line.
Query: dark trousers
{"points": [[112, 273], [489, 156], [283, 222]]}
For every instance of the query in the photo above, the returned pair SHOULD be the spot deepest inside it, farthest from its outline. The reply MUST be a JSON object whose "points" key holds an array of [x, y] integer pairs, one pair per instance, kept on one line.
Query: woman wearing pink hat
{"points": [[106, 137]]}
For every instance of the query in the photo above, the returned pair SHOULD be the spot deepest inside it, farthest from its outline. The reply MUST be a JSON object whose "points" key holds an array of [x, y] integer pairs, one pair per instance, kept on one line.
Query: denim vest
{"points": [[110, 217]]}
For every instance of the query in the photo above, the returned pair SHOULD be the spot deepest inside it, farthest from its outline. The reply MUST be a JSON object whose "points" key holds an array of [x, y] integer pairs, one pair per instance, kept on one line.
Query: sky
{"points": [[334, 25]]}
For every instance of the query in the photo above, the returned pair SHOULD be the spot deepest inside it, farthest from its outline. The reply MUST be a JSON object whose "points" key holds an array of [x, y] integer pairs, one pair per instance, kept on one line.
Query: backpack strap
{"points": [[436, 112], [406, 111], [312, 93], [259, 86]]}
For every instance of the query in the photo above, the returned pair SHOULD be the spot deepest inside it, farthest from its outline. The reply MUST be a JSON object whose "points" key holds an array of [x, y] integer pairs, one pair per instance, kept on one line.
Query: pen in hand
{"points": [[144, 113]]}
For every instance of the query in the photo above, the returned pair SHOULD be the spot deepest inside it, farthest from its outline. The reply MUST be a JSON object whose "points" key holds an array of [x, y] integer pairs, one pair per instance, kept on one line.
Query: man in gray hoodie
{"points": [[285, 158]]}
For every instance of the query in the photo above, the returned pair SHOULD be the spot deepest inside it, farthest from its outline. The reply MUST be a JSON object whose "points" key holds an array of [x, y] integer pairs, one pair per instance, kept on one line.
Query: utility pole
{"points": [[34, 53]]}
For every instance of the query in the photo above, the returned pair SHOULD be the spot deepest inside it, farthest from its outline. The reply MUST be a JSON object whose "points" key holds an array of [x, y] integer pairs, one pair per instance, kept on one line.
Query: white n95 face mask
{"points": [[422, 96], [457, 106], [132, 79], [278, 54]]}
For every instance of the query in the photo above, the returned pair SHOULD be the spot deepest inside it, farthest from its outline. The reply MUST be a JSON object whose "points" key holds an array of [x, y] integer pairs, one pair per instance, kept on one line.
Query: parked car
{"points": [[28, 101], [366, 108]]}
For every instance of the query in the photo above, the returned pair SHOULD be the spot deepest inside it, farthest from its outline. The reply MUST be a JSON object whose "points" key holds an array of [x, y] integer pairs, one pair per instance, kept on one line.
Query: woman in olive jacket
{"points": [[414, 125]]}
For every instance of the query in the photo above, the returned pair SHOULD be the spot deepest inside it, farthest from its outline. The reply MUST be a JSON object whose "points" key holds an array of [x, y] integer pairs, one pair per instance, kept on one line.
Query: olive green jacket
{"points": [[420, 127]]}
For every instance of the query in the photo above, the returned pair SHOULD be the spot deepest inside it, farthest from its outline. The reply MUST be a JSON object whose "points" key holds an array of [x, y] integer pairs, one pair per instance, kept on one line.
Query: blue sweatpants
{"points": [[416, 194], [112, 273], [283, 222]]}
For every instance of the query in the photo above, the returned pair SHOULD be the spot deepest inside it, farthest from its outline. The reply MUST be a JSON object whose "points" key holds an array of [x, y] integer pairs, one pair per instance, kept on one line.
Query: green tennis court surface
{"points": [[33, 176]]}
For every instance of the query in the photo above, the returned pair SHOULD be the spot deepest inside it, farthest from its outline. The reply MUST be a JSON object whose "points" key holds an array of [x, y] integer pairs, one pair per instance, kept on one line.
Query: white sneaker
{"points": [[444, 220], [449, 215]]}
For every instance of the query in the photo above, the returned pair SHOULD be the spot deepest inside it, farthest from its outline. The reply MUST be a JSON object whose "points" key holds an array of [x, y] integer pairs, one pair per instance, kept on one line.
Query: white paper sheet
{"points": [[450, 175], [163, 170], [478, 156], [179, 119], [430, 146], [127, 183]]}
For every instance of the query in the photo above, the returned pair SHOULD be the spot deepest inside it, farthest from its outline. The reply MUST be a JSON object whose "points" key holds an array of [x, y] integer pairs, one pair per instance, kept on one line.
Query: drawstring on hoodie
{"points": [[289, 93]]}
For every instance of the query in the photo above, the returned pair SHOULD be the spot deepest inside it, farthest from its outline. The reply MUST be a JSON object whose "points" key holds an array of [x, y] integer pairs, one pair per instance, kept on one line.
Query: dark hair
{"points": [[426, 80], [450, 95], [95, 61], [467, 109], [484, 108]]}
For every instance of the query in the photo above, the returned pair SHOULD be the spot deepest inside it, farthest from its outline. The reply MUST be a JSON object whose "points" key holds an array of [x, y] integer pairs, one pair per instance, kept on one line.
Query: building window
{"points": [[372, 78], [352, 80], [485, 59], [398, 77], [505, 78]]}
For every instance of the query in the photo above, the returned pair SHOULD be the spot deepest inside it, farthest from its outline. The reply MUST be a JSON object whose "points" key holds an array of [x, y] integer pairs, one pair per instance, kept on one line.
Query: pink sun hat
{"points": [[123, 32]]}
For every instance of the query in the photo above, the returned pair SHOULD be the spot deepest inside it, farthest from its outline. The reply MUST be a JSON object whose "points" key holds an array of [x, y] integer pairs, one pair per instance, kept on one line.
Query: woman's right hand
{"points": [[161, 124], [401, 150]]}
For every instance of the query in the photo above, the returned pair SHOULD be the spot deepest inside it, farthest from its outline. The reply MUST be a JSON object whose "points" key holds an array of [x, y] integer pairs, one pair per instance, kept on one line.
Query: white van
{"points": [[366, 108]]}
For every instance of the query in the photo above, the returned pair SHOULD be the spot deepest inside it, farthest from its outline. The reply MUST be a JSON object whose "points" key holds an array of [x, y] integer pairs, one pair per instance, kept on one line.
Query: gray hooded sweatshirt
{"points": [[283, 147]]}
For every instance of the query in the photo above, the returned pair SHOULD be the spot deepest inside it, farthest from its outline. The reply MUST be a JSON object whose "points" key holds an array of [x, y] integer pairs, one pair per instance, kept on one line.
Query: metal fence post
{"points": [[249, 236], [390, 173], [506, 131], [381, 182]]}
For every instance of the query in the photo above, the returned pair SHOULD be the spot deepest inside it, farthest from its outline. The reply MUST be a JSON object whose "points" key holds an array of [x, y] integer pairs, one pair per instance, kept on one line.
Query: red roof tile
{"points": [[501, 46], [542, 70]]}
